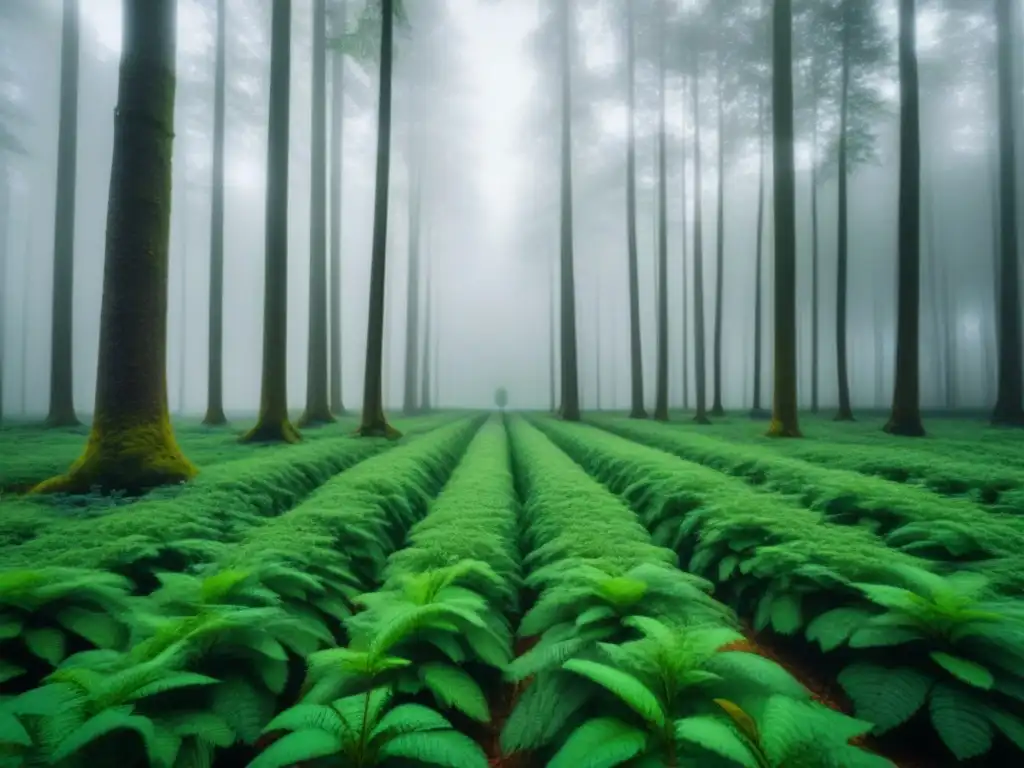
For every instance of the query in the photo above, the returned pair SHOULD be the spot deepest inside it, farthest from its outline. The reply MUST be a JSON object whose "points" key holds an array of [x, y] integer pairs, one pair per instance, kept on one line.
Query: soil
{"points": [[502, 704]]}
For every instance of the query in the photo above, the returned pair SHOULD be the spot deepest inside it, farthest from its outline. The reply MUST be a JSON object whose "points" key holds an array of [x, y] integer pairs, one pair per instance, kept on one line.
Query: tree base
{"points": [[717, 411], [378, 429], [316, 417], [272, 431], [701, 418], [911, 427], [61, 420], [660, 415], [215, 418], [569, 414], [638, 413], [339, 410], [133, 460], [844, 414], [1007, 417], [778, 428]]}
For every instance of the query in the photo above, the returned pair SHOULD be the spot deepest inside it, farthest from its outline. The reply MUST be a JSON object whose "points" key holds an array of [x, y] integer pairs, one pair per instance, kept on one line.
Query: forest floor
{"points": [[882, 573]]}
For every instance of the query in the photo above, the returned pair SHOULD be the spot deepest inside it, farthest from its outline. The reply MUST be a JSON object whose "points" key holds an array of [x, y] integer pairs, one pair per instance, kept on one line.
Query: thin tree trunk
{"points": [[131, 444], [336, 158], [785, 419], [318, 404], [374, 424], [597, 340], [636, 361], [273, 424], [215, 373], [1009, 409], [684, 285], [716, 407], [815, 248], [759, 257], [661, 390], [26, 324], [570, 408], [5, 218], [701, 416], [183, 293], [552, 340], [906, 405], [845, 412], [425, 399], [412, 308], [62, 403]]}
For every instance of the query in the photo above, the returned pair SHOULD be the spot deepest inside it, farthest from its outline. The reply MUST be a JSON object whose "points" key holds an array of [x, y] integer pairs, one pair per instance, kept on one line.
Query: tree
{"points": [[785, 420], [636, 363], [1008, 410], [661, 392], [131, 445], [318, 407], [716, 406], [412, 308], [374, 424], [501, 398], [337, 142], [700, 362], [425, 399], [215, 349], [906, 410], [62, 404], [273, 424]]}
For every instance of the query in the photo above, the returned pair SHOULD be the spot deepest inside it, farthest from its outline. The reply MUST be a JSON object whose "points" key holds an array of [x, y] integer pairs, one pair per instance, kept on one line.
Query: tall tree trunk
{"points": [[318, 405], [412, 307], [636, 360], [570, 408], [785, 419], [759, 257], [906, 405], [716, 407], [273, 424], [815, 248], [552, 335], [5, 218], [1009, 409], [131, 444], [845, 412], [700, 357], [62, 404], [26, 323], [597, 340], [336, 156], [661, 391], [183, 292], [684, 285], [428, 307], [374, 424], [215, 373]]}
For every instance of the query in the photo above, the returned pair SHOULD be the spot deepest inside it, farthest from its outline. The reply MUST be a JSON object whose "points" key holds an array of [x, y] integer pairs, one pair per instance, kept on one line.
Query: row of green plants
{"points": [[224, 497], [204, 661], [426, 646], [636, 664], [908, 517], [911, 643]]}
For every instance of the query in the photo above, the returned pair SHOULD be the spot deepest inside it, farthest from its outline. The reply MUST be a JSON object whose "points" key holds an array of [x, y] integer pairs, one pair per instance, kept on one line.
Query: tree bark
{"points": [[273, 424], [374, 424], [759, 258], [699, 370], [425, 399], [815, 250], [906, 408], [412, 308], [336, 157], [131, 445], [845, 412], [215, 350], [1009, 410], [684, 286], [636, 360], [552, 336], [716, 407], [785, 419], [318, 405], [62, 405], [661, 390], [5, 218]]}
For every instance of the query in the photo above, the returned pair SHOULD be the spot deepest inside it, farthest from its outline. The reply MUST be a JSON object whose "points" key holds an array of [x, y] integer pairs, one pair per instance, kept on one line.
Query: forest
{"points": [[511, 383]]}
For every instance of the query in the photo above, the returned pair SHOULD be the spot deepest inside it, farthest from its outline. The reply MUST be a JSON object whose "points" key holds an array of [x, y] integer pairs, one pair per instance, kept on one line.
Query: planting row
{"points": [[634, 661], [908, 517], [907, 641], [203, 661], [77, 532]]}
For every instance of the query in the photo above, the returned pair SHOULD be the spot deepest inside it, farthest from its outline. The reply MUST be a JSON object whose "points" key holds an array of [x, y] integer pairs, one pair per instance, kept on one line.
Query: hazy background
{"points": [[490, 210]]}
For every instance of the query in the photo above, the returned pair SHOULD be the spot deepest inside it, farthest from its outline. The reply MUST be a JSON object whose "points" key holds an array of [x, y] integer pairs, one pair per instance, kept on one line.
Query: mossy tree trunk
{"points": [[336, 158], [636, 359], [215, 351], [318, 407], [785, 420], [699, 350], [1008, 410], [570, 407], [62, 405], [845, 412], [717, 408], [661, 388], [906, 408], [374, 424], [412, 295], [131, 444], [273, 424]]}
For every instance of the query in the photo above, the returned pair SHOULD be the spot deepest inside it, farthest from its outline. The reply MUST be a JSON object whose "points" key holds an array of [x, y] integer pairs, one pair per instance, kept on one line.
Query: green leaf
{"points": [[100, 629], [171, 682], [833, 628], [960, 722], [298, 747], [631, 691], [603, 742], [1012, 727], [445, 748], [718, 736], [12, 731], [452, 687], [877, 636], [46, 643], [9, 671], [886, 696], [786, 616], [107, 721], [307, 717], [409, 718], [10, 625], [726, 566], [962, 669]]}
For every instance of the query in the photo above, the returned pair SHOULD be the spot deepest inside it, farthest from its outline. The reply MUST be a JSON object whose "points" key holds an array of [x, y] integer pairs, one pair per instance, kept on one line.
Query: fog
{"points": [[488, 87]]}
